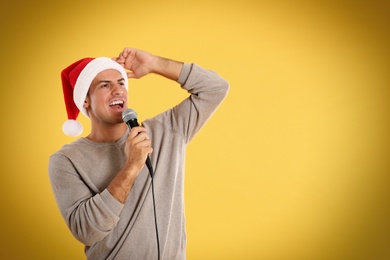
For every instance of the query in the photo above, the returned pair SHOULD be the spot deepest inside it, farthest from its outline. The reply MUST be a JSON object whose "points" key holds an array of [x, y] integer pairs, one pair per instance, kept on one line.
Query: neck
{"points": [[110, 133]]}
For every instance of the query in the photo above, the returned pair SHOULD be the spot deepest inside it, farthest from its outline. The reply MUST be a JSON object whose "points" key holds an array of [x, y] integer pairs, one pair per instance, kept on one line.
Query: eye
{"points": [[105, 85]]}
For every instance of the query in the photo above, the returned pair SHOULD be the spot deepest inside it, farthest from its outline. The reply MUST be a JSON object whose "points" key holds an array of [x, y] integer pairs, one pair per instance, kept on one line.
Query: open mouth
{"points": [[117, 104]]}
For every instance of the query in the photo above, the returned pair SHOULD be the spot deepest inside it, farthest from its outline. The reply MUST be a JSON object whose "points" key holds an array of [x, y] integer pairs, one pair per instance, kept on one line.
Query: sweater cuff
{"points": [[114, 205], [184, 73]]}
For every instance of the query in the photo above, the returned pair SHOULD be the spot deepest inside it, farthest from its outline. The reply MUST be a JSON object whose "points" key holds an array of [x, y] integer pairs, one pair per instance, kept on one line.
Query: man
{"points": [[100, 183]]}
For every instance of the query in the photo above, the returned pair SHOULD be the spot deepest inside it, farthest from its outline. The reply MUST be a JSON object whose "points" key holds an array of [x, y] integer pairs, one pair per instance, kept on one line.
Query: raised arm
{"points": [[141, 63]]}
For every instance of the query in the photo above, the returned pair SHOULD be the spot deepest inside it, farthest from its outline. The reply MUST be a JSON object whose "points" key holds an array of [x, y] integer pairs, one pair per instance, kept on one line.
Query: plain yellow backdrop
{"points": [[293, 166]]}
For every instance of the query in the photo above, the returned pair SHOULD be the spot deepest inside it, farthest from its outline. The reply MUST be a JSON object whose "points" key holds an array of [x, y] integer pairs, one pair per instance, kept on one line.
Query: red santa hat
{"points": [[76, 80]]}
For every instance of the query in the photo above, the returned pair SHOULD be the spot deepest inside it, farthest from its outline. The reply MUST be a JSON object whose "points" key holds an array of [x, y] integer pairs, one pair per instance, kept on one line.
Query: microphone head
{"points": [[129, 114]]}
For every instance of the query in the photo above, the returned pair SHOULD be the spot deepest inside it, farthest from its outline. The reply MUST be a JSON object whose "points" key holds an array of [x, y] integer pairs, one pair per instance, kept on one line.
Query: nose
{"points": [[118, 90]]}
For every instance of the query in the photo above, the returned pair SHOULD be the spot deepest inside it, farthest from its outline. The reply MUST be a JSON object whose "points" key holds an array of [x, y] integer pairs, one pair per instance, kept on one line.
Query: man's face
{"points": [[107, 97]]}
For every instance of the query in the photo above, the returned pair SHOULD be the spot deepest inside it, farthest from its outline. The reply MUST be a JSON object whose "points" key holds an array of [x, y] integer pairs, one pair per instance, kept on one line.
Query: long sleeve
{"points": [[207, 91], [87, 207]]}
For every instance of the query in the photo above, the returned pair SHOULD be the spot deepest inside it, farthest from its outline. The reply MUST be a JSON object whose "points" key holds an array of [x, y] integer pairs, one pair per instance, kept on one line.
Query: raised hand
{"points": [[138, 62], [141, 63]]}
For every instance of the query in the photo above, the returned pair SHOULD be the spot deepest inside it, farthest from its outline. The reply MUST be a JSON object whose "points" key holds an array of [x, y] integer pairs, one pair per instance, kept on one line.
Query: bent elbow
{"points": [[88, 235]]}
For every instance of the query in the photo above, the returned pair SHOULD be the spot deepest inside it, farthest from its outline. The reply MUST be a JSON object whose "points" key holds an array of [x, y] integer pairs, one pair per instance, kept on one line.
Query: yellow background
{"points": [[293, 166]]}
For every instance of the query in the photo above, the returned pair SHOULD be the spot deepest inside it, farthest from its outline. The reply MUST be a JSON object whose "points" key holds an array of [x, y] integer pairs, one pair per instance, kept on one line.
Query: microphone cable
{"points": [[154, 209]]}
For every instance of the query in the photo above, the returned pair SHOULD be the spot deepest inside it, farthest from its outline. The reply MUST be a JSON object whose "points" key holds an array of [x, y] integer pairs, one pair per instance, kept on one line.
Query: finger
{"points": [[140, 138], [149, 150], [145, 143], [120, 58], [124, 53], [136, 131], [131, 75], [119, 61]]}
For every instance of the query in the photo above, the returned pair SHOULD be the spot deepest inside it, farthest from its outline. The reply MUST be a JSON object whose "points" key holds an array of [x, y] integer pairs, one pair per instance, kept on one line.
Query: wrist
{"points": [[167, 68], [131, 169]]}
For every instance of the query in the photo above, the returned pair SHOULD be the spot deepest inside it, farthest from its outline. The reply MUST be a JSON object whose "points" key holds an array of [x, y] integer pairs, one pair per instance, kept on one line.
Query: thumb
{"points": [[131, 75]]}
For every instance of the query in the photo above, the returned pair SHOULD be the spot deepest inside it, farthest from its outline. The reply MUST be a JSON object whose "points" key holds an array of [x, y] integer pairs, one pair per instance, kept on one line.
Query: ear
{"points": [[86, 102]]}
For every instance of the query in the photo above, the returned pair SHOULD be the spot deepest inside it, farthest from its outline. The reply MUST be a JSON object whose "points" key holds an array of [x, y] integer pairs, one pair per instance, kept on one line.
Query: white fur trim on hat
{"points": [[88, 74], [72, 128]]}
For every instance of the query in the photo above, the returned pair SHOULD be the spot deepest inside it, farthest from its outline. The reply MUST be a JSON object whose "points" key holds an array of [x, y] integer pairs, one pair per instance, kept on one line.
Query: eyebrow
{"points": [[108, 81]]}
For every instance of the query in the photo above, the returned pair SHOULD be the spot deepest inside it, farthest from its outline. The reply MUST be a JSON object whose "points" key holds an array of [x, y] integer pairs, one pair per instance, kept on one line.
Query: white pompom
{"points": [[72, 128]]}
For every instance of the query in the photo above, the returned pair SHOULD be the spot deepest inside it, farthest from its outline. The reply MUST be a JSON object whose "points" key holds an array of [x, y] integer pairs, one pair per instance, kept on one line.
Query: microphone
{"points": [[129, 116]]}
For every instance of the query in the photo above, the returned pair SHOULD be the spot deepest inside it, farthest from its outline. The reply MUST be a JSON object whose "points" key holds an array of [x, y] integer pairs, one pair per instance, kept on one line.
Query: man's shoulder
{"points": [[72, 149]]}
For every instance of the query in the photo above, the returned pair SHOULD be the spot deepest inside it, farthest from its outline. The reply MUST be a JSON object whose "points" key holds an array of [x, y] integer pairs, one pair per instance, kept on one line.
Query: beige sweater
{"points": [[80, 172]]}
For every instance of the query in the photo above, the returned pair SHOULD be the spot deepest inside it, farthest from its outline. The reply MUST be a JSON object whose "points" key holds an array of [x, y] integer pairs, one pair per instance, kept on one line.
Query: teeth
{"points": [[117, 102]]}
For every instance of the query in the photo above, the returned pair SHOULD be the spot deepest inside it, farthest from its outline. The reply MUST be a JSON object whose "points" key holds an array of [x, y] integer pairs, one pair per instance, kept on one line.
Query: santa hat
{"points": [[76, 80]]}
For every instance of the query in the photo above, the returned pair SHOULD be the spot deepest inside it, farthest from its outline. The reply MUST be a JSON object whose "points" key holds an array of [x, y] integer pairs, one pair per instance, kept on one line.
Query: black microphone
{"points": [[129, 116]]}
